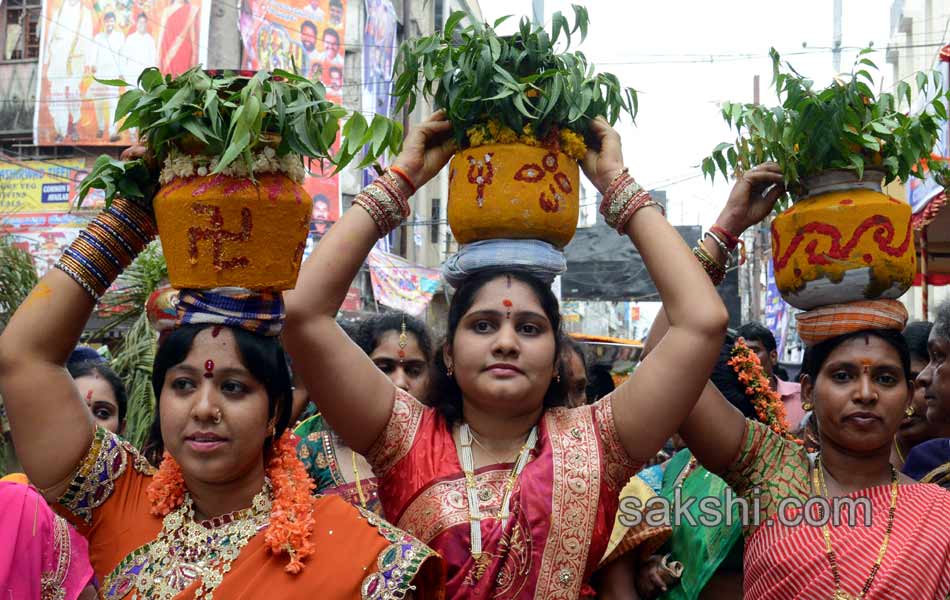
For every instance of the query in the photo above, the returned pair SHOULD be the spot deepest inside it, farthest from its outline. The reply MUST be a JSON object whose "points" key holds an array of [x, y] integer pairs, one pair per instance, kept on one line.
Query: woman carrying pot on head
{"points": [[890, 538], [229, 512], [400, 347], [517, 493]]}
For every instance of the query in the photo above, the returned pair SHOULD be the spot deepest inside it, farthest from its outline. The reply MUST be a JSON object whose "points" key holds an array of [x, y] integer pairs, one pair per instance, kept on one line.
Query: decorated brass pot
{"points": [[219, 231], [513, 191], [844, 240]]}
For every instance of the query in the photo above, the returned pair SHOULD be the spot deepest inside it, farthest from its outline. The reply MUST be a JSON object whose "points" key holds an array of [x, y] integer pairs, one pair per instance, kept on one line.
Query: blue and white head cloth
{"points": [[535, 257], [258, 312]]}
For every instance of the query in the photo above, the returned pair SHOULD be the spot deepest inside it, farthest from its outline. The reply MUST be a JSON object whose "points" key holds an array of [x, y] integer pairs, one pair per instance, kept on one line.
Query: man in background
{"points": [[139, 50], [761, 341], [108, 64], [67, 56]]}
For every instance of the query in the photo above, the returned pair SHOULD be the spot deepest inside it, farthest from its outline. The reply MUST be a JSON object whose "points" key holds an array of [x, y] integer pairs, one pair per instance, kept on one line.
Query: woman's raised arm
{"points": [[715, 447], [652, 404], [51, 425], [354, 396]]}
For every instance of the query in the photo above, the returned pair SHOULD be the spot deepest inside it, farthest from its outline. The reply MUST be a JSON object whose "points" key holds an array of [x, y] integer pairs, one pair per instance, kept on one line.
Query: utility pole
{"points": [[755, 295], [537, 12], [836, 43]]}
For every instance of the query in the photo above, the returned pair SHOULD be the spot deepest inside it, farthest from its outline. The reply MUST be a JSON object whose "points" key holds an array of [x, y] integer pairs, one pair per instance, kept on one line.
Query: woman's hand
{"points": [[752, 198], [653, 578], [427, 149], [603, 165]]}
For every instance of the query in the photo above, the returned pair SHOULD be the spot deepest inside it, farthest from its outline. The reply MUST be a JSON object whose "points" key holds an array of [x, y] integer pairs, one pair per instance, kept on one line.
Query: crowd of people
{"points": [[295, 455]]}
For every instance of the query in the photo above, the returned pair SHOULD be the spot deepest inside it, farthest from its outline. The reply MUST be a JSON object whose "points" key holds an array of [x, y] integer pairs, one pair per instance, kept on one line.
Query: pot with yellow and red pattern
{"points": [[843, 240]]}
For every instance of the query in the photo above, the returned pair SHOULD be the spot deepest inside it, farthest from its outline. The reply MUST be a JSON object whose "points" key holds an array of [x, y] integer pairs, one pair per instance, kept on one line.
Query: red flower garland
{"points": [[291, 515], [767, 402]]}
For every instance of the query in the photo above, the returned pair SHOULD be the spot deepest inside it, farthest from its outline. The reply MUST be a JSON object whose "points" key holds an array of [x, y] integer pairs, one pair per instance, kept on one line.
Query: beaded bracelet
{"points": [[716, 272], [623, 198], [386, 200], [107, 246]]}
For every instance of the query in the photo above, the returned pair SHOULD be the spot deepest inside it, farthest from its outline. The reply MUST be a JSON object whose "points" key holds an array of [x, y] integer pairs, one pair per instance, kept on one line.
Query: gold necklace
{"points": [[187, 550], [468, 467], [819, 486], [897, 448], [359, 486]]}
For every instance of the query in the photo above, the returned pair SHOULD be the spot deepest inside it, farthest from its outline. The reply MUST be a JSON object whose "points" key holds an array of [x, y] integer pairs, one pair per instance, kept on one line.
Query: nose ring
{"points": [[217, 416]]}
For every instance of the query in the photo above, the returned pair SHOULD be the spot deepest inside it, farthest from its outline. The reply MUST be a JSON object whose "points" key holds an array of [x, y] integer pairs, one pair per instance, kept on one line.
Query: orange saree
{"points": [[356, 554]]}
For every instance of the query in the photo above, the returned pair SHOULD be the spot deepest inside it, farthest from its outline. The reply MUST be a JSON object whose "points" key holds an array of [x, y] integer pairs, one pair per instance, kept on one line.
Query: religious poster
{"points": [[400, 284], [379, 51], [108, 39], [306, 37], [777, 311]]}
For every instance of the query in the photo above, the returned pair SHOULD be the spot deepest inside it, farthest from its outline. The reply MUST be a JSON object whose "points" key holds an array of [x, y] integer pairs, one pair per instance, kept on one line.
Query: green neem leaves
{"points": [[474, 74], [843, 126], [229, 116]]}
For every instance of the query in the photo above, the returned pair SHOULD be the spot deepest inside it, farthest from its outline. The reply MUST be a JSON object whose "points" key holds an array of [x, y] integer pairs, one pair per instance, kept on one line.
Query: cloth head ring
{"points": [[258, 312], [826, 322]]}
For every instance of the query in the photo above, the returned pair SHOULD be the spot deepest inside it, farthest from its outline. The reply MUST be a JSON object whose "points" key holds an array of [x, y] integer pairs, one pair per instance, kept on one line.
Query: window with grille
{"points": [[21, 29]]}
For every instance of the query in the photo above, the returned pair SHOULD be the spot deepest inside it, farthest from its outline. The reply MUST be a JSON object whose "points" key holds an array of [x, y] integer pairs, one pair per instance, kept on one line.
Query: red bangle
{"points": [[404, 177], [730, 240]]}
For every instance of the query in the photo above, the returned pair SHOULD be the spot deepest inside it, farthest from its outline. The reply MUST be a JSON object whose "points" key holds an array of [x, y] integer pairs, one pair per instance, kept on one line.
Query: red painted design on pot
{"points": [[218, 236], [480, 174]]}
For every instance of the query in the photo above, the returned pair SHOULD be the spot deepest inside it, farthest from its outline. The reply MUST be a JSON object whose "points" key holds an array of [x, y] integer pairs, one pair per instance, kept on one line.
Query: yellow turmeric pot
{"points": [[845, 241], [219, 231], [513, 191]]}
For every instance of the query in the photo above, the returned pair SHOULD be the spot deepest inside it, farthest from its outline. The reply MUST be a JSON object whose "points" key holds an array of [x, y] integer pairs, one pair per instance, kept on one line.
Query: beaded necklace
{"points": [[468, 467], [187, 550], [819, 486]]}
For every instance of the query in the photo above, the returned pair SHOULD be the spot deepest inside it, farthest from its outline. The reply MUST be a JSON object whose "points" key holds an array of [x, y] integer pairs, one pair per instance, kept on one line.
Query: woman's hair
{"points": [[726, 380], [916, 335], [370, 332], [91, 368], [816, 356], [569, 344], [262, 356], [446, 396]]}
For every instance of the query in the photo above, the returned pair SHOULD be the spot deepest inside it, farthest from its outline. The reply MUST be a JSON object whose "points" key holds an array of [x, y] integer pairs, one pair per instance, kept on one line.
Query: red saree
{"points": [[178, 45], [789, 563], [562, 508]]}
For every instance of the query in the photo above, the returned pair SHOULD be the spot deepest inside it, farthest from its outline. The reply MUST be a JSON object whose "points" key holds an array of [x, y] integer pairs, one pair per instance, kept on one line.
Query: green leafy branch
{"points": [[474, 74], [843, 126], [229, 116]]}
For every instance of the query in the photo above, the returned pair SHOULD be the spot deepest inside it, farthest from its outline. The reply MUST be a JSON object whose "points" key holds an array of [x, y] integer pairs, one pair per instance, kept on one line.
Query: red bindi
{"points": [[508, 304], [209, 368], [88, 395], [214, 333]]}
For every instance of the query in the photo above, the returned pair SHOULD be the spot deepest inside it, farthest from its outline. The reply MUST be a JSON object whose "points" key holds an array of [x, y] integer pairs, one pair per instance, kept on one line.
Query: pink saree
{"points": [[41, 556], [562, 508], [789, 563]]}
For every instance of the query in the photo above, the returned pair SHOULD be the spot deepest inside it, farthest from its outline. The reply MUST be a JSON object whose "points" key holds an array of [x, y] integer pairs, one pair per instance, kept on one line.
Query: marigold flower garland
{"points": [[766, 401], [560, 140], [291, 516]]}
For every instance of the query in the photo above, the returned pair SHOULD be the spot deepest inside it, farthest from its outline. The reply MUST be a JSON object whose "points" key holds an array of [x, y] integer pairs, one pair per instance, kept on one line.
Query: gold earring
{"points": [[450, 371], [807, 406], [910, 411], [557, 376]]}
